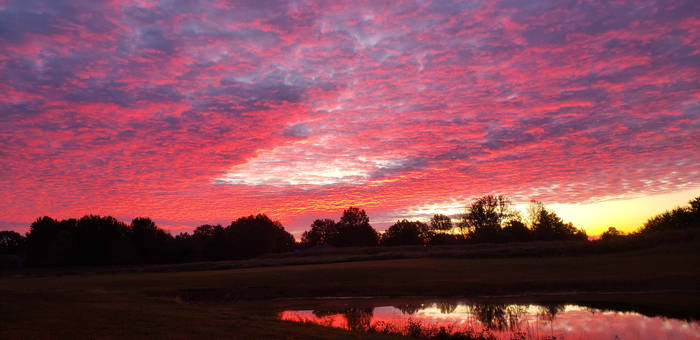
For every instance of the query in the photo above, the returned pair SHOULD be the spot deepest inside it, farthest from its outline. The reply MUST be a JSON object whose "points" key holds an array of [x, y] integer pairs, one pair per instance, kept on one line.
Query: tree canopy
{"points": [[485, 217], [676, 219], [353, 229], [547, 225], [323, 231], [405, 232], [440, 222]]}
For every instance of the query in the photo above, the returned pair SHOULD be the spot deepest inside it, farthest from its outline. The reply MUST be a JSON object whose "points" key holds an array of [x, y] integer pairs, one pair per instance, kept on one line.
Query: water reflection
{"points": [[355, 318], [447, 319]]}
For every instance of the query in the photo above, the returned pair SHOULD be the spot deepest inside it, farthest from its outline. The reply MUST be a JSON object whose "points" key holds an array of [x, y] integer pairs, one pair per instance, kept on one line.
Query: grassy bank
{"points": [[242, 303]]}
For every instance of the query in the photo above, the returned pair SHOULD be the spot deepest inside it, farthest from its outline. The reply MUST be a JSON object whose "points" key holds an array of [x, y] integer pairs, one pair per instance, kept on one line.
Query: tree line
{"points": [[489, 218], [679, 218], [103, 240]]}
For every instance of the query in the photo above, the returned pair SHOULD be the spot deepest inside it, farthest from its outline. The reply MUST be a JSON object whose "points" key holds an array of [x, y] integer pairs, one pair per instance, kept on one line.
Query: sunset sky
{"points": [[195, 112]]}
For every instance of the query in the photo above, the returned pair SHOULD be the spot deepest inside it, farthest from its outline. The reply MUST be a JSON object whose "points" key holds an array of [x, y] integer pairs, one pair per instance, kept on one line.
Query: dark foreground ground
{"points": [[243, 303]]}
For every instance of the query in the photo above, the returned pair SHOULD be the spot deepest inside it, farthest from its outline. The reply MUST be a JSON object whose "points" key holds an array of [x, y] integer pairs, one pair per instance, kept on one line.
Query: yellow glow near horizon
{"points": [[624, 214]]}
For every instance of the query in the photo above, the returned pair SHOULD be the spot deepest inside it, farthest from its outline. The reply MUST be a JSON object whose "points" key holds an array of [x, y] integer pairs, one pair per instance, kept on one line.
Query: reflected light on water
{"points": [[502, 321]]}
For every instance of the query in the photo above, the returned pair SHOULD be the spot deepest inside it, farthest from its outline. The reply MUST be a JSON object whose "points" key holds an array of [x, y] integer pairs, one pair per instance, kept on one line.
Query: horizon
{"points": [[661, 203], [196, 115]]}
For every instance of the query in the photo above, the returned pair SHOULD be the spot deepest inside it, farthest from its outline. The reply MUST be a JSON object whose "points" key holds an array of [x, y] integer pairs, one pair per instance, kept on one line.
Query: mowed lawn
{"points": [[243, 303]]}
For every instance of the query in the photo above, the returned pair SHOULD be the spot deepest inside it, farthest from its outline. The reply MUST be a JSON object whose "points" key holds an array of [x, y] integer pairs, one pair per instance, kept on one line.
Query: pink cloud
{"points": [[203, 113]]}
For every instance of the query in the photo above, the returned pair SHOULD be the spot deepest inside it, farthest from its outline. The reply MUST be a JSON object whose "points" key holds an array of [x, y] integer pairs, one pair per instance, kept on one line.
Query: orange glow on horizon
{"points": [[625, 214]]}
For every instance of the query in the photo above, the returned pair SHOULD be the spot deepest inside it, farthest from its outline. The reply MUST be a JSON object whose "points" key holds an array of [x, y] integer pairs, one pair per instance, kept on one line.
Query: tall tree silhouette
{"points": [[50, 242], [485, 217], [102, 240], [210, 243], [254, 235], [354, 229], [152, 244], [547, 225]]}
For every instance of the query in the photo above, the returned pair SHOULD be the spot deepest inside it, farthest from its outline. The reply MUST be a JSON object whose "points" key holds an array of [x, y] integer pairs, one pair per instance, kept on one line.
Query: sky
{"points": [[194, 112]]}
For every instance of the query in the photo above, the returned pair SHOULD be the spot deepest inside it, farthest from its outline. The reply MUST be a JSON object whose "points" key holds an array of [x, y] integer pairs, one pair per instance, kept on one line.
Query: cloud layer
{"points": [[193, 111]]}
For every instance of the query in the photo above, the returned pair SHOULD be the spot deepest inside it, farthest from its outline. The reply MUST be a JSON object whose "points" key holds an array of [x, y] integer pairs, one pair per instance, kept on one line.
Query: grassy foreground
{"points": [[243, 303]]}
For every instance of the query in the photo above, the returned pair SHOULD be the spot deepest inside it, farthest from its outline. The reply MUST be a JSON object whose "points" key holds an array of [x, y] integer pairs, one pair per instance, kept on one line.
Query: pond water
{"points": [[500, 321]]}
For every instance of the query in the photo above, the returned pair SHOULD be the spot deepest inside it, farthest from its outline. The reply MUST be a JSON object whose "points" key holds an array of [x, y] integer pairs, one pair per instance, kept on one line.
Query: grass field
{"points": [[243, 303]]}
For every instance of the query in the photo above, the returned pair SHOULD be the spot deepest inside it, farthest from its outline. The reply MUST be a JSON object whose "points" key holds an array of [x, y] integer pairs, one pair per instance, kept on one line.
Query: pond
{"points": [[466, 320]]}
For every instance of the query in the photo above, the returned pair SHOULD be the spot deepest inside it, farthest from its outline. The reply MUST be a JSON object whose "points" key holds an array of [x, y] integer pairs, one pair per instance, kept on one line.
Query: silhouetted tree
{"points": [[440, 222], [695, 205], [102, 240], [11, 249], [323, 231], [694, 210], [212, 243], [405, 232], [254, 235], [611, 234], [152, 244], [50, 242], [11, 242], [354, 229], [184, 248], [676, 219], [41, 236], [546, 225], [485, 217]]}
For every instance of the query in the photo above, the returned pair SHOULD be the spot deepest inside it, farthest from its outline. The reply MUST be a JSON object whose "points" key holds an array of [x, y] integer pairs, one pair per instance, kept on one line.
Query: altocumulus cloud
{"points": [[208, 110]]}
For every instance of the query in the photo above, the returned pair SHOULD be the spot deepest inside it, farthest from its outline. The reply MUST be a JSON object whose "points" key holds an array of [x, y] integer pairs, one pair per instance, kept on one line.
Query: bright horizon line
{"points": [[626, 214]]}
